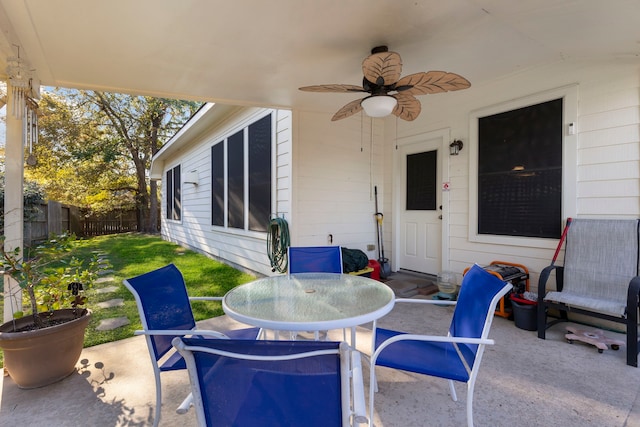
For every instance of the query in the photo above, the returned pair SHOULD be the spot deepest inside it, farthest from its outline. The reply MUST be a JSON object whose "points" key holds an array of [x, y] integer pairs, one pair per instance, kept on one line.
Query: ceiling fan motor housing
{"points": [[379, 49]]}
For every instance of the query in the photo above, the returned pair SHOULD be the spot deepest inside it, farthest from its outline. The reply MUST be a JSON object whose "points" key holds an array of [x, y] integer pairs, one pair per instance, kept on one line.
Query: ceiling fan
{"points": [[390, 94]]}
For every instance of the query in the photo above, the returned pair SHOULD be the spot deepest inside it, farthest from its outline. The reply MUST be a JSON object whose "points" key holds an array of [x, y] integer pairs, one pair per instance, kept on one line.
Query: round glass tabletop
{"points": [[309, 301]]}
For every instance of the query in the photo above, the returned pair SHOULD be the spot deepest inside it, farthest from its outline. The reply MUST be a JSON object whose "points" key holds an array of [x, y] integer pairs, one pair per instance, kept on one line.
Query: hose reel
{"points": [[277, 243]]}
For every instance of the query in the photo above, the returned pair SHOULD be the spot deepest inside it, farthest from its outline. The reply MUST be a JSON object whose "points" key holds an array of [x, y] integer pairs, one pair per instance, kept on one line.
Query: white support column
{"points": [[13, 202]]}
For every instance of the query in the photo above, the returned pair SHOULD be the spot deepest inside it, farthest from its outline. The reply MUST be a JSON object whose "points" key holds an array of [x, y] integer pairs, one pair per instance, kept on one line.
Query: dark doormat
{"points": [[428, 290], [405, 288]]}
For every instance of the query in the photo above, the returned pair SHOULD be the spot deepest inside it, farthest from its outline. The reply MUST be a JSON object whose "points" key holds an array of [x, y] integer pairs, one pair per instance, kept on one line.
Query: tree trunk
{"points": [[142, 197], [156, 122], [153, 203], [143, 209]]}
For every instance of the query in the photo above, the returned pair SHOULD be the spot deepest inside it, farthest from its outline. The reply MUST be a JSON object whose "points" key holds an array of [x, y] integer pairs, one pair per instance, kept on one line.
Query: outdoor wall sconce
{"points": [[191, 177], [455, 147]]}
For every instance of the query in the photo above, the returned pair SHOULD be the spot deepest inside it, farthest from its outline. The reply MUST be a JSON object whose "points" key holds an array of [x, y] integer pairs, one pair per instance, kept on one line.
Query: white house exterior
{"points": [[514, 53], [324, 173]]}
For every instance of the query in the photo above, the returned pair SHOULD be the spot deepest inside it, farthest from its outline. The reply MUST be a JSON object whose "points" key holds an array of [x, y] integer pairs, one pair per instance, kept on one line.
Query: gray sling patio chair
{"points": [[599, 277]]}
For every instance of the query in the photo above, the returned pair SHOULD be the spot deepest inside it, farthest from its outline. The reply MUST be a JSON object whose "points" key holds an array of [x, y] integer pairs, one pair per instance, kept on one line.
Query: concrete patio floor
{"points": [[523, 382]]}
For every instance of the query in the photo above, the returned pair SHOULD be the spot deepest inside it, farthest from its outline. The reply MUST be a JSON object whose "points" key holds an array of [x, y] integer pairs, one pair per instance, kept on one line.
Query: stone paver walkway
{"points": [[115, 302], [106, 278]]}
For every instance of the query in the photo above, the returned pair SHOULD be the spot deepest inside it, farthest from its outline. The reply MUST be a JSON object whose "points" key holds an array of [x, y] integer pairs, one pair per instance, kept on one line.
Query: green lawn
{"points": [[133, 254]]}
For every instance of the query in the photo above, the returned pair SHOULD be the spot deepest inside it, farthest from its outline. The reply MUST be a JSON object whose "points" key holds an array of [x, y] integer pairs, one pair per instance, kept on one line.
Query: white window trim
{"points": [[243, 126], [569, 94], [173, 178]]}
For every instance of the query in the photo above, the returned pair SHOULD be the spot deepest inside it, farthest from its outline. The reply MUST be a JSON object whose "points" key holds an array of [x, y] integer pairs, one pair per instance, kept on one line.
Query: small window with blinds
{"points": [[173, 199], [241, 170]]}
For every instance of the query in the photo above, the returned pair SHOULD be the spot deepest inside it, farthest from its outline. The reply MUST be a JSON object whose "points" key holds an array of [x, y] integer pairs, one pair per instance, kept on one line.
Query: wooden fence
{"points": [[111, 223], [55, 217], [52, 217]]}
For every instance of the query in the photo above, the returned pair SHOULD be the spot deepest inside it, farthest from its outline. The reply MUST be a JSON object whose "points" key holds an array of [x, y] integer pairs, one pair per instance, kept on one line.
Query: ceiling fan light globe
{"points": [[379, 105]]}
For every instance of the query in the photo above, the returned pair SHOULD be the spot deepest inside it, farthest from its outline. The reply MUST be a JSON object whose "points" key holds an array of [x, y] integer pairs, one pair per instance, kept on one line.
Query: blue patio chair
{"points": [[274, 383], [165, 312], [315, 259], [455, 357]]}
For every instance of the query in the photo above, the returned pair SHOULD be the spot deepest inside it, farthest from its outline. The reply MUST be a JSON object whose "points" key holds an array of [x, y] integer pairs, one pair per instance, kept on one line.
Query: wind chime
{"points": [[23, 106], [30, 133]]}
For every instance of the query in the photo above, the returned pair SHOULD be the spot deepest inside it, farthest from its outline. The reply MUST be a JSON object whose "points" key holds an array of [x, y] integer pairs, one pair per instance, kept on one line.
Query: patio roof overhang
{"points": [[209, 114], [256, 53]]}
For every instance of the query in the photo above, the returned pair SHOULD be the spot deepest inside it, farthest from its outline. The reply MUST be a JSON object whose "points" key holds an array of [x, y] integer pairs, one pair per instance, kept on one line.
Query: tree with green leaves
{"points": [[95, 148], [33, 198]]}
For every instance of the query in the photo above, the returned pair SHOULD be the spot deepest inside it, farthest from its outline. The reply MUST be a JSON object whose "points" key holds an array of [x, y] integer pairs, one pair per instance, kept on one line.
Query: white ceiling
{"points": [[256, 52]]}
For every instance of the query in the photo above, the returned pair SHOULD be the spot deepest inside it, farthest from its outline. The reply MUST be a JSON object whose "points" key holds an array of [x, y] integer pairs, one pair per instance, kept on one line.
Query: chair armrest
{"points": [[439, 338], [426, 301], [633, 301], [634, 291], [183, 332], [359, 408], [544, 277], [429, 338]]}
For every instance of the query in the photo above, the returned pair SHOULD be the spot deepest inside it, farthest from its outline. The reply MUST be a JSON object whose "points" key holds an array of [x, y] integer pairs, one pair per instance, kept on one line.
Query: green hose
{"points": [[277, 243]]}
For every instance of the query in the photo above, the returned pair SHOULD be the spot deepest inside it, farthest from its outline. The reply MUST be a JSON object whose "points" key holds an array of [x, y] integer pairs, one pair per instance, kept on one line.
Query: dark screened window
{"points": [[217, 184], [421, 181], [520, 172], [246, 181], [173, 201], [236, 180], [260, 174], [169, 191]]}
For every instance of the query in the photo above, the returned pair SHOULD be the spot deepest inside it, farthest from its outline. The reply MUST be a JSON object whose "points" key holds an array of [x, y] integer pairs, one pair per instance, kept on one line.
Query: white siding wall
{"points": [[608, 150], [246, 250], [335, 166], [326, 171]]}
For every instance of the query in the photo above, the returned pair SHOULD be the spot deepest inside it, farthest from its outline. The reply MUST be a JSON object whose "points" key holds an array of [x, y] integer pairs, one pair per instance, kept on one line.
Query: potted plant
{"points": [[44, 346]]}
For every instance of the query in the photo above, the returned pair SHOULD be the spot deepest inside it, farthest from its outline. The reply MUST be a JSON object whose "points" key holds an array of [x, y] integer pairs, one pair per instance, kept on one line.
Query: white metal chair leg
{"points": [[185, 405], [373, 389], [156, 418], [373, 337], [359, 408], [353, 337], [452, 391], [374, 381], [470, 404]]}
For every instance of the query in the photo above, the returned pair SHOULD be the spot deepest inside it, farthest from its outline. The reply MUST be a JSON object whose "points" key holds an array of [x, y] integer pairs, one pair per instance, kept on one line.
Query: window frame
{"points": [[224, 140], [569, 95], [170, 191]]}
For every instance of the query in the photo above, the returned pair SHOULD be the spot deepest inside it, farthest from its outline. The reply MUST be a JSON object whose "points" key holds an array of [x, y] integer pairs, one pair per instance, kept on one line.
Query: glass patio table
{"points": [[309, 302]]}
